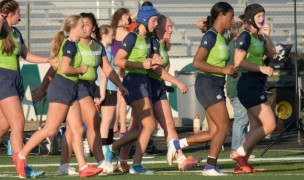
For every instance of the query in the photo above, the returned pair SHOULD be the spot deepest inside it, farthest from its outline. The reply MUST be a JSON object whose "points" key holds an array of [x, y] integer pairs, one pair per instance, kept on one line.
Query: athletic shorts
{"points": [[138, 85], [86, 88], [110, 99], [209, 89], [62, 90], [251, 89], [158, 89], [11, 84]]}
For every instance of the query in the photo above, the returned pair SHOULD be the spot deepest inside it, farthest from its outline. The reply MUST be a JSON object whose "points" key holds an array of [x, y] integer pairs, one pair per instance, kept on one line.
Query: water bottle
{"points": [[196, 124], [9, 148]]}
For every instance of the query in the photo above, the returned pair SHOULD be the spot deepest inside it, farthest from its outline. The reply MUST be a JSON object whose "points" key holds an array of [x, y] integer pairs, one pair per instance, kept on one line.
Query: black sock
{"points": [[211, 161], [104, 141], [110, 137]]}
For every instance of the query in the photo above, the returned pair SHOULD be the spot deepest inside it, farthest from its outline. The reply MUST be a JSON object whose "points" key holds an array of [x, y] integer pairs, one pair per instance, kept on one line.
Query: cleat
{"points": [[241, 162], [69, 171], [123, 167], [108, 153], [20, 165], [253, 170], [107, 167], [189, 163], [171, 152], [212, 171], [138, 169], [90, 170], [31, 173]]}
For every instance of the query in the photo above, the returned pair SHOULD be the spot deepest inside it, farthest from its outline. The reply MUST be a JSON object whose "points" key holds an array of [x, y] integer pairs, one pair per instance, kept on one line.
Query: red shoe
{"points": [[90, 170], [241, 162], [20, 165], [239, 170], [254, 170]]}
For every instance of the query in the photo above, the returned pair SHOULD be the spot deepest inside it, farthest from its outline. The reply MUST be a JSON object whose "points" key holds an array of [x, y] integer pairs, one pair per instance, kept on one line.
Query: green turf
{"points": [[286, 169]]}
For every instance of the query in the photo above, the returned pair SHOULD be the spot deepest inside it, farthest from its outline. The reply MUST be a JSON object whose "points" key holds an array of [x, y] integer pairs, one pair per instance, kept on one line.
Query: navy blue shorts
{"points": [[159, 91], [62, 90], [11, 84], [138, 85], [209, 89], [86, 88], [251, 89]]}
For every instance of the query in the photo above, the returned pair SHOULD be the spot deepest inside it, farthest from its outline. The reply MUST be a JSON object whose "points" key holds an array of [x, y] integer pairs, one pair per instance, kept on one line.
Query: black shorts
{"points": [[110, 99], [158, 90], [11, 84], [62, 90], [138, 85], [209, 89], [86, 88], [251, 89]]}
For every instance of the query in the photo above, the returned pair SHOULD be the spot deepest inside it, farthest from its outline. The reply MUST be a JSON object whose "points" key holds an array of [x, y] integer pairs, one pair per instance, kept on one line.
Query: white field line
{"points": [[164, 162]]}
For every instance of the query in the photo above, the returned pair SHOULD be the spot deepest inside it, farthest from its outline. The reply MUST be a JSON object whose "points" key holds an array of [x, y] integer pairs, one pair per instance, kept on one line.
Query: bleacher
{"points": [[41, 19]]}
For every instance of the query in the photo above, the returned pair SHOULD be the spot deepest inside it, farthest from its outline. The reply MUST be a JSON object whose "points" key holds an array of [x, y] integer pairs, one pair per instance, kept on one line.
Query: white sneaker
{"points": [[212, 171], [66, 171], [171, 152], [107, 167]]}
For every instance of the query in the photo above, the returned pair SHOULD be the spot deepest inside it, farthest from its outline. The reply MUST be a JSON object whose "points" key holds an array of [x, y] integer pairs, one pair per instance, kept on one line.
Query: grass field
{"points": [[275, 165]]}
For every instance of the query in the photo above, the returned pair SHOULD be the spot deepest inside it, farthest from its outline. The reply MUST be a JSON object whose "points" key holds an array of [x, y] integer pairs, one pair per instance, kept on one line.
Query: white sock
{"points": [[181, 159], [83, 167], [20, 156], [183, 143], [241, 151]]}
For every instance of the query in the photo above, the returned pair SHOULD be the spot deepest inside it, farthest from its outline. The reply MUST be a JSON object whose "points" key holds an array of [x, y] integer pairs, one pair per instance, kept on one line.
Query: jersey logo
{"points": [[218, 97], [206, 42], [68, 51], [241, 43], [124, 44], [262, 97]]}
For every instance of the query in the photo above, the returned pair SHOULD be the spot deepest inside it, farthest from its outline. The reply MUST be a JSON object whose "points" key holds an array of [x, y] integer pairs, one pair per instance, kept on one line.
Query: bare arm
{"points": [[200, 63], [66, 68], [240, 61], [28, 56], [39, 93]]}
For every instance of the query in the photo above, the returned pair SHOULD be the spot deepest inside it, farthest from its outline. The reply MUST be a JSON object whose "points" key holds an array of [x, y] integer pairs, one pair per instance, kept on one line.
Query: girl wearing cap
{"points": [[251, 46], [133, 56], [210, 60]]}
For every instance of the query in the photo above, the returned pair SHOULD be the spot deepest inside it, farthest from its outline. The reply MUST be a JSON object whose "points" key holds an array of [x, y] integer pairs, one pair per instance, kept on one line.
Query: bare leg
{"points": [[14, 120], [55, 116], [91, 119], [4, 125]]}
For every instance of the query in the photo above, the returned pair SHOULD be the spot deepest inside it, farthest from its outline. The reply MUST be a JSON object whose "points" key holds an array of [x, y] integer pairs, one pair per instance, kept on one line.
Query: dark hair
{"points": [[94, 22], [117, 16], [6, 7], [220, 7], [250, 11], [147, 3]]}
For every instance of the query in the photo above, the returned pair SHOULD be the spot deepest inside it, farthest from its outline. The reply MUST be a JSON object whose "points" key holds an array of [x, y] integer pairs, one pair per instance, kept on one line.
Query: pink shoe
{"points": [[90, 170], [241, 162]]}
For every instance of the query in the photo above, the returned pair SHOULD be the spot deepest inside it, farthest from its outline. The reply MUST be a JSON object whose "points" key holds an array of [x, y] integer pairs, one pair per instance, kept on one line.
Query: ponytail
{"points": [[56, 44]]}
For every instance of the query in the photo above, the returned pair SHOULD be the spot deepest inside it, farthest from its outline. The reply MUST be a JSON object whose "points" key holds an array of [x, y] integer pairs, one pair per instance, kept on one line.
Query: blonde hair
{"points": [[6, 7], [69, 24], [104, 30], [236, 28]]}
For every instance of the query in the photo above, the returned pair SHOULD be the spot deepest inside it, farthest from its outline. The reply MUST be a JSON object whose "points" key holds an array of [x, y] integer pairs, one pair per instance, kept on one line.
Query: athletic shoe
{"points": [[20, 165], [212, 171], [107, 167], [138, 169], [90, 170], [108, 154], [123, 167], [241, 161], [31, 173], [171, 152], [253, 170], [189, 163], [66, 171], [158, 132]]}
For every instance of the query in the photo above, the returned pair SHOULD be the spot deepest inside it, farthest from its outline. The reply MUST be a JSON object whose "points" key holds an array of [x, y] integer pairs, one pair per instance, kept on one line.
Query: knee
{"points": [[270, 127]]}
